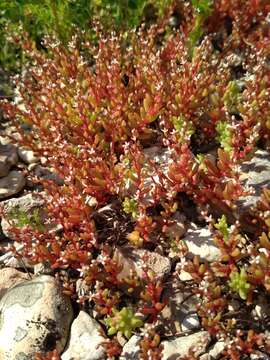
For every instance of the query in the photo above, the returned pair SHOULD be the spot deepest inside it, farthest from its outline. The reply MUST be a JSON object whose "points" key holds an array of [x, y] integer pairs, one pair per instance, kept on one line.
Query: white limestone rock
{"points": [[27, 156], [179, 314], [10, 277], [255, 173], [85, 338], [200, 242], [180, 346], [132, 259], [131, 350], [34, 317]]}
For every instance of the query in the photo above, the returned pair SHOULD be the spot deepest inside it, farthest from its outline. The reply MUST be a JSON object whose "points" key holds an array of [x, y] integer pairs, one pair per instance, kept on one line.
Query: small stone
{"points": [[178, 228], [184, 275], [131, 350], [259, 356], [43, 268], [46, 174], [216, 350], [11, 184], [255, 173], [27, 156], [132, 259], [85, 332], [180, 346], [180, 312], [35, 316], [190, 322], [10, 277], [200, 242], [8, 158]]}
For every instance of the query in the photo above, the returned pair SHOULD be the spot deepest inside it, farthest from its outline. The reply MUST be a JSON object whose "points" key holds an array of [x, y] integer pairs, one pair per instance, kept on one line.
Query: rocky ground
{"points": [[35, 316]]}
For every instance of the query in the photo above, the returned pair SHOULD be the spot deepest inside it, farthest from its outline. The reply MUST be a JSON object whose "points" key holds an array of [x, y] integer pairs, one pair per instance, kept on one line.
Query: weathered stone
{"points": [[179, 314], [10, 277], [27, 156], [8, 259], [216, 350], [259, 356], [200, 242], [197, 342], [190, 322], [8, 158], [11, 184], [131, 350], [43, 268], [85, 332], [133, 259], [255, 173], [46, 174], [178, 228], [34, 317]]}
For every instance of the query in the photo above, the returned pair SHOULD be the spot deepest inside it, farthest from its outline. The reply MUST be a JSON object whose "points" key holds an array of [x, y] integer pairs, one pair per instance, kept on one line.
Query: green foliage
{"points": [[203, 9], [22, 218], [232, 96], [130, 206], [183, 127], [222, 226], [124, 321], [62, 17], [124, 13], [238, 283], [224, 135]]}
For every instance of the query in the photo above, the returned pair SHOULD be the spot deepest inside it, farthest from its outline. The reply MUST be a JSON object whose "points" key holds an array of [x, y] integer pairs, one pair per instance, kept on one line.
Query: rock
{"points": [[26, 205], [197, 342], [255, 173], [11, 184], [132, 259], [34, 317], [200, 242], [8, 259], [85, 339], [182, 274], [10, 277], [190, 322], [27, 156], [43, 268], [4, 140], [259, 356], [179, 314], [178, 228], [216, 350], [262, 309], [8, 158], [131, 350], [46, 174]]}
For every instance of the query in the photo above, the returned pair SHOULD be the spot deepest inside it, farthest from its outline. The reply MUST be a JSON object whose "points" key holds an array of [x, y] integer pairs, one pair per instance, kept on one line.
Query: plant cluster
{"points": [[200, 95], [63, 18]]}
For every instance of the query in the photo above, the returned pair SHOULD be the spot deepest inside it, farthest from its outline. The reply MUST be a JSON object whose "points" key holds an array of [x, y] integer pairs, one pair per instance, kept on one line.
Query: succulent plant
{"points": [[239, 283], [124, 321]]}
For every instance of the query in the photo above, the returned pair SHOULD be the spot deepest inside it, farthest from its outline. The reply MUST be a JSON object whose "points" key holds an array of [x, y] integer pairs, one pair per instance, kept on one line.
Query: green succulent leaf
{"points": [[238, 283], [123, 321], [222, 226]]}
